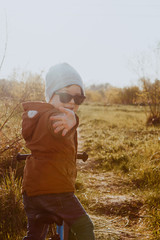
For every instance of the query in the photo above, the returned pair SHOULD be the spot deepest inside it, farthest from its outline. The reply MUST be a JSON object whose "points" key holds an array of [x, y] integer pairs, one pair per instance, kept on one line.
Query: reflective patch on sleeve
{"points": [[32, 113]]}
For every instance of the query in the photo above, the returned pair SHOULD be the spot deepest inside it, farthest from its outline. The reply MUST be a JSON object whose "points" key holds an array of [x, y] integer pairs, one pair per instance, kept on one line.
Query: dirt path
{"points": [[117, 213]]}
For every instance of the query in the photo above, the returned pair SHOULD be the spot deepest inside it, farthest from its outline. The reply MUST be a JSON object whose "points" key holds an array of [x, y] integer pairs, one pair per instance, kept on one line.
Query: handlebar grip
{"points": [[83, 156], [21, 157]]}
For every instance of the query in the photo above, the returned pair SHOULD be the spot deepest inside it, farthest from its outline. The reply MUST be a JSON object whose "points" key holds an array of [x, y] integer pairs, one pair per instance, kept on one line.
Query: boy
{"points": [[49, 130]]}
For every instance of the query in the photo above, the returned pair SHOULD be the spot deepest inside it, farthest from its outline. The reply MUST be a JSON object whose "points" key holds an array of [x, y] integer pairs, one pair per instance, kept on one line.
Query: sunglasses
{"points": [[66, 98]]}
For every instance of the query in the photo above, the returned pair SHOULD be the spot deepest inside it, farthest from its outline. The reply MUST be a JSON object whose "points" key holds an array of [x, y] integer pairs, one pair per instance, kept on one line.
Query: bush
{"points": [[153, 202], [13, 220], [147, 178]]}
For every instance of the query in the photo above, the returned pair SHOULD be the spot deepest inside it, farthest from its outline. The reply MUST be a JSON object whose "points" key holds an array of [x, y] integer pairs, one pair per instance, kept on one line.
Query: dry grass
{"points": [[121, 178], [119, 184]]}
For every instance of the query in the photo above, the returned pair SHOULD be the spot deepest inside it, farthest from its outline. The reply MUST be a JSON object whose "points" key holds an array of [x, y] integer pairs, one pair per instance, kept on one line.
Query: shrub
{"points": [[13, 219], [147, 178], [153, 202]]}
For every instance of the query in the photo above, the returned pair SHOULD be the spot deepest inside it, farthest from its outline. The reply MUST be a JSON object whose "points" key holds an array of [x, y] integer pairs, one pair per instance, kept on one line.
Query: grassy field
{"points": [[118, 185]]}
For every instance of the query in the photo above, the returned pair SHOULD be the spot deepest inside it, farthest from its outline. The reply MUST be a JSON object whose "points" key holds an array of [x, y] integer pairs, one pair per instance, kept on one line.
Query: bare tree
{"points": [[5, 46], [146, 64]]}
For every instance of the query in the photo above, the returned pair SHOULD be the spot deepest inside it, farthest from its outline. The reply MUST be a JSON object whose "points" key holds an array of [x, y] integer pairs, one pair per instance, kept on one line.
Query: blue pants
{"points": [[64, 205]]}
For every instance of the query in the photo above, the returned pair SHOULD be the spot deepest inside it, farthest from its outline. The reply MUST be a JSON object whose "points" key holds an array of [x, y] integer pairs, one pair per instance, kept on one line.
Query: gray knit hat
{"points": [[60, 76]]}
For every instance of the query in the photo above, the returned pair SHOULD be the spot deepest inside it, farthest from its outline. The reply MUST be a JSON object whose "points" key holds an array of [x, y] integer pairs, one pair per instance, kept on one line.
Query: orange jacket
{"points": [[51, 168]]}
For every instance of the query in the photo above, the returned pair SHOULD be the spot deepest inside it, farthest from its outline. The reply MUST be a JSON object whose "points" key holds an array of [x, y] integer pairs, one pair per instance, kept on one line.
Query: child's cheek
{"points": [[76, 108]]}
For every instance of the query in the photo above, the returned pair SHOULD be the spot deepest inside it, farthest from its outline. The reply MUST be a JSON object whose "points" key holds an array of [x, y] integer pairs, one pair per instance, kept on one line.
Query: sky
{"points": [[106, 41]]}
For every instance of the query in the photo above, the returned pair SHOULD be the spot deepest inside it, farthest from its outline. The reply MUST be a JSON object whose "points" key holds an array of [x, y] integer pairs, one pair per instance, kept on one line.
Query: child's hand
{"points": [[64, 122]]}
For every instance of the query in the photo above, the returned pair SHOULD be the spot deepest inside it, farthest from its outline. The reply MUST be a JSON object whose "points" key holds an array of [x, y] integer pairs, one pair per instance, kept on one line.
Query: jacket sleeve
{"points": [[29, 122]]}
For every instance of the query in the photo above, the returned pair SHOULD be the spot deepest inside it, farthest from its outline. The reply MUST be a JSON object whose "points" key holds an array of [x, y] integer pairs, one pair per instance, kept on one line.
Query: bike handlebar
{"points": [[83, 156]]}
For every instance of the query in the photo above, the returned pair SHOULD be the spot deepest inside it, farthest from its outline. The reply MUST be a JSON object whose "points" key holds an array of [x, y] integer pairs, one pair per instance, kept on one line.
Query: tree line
{"points": [[31, 88]]}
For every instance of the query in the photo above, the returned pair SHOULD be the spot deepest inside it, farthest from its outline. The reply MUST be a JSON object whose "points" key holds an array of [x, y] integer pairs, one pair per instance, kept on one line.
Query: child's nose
{"points": [[72, 101]]}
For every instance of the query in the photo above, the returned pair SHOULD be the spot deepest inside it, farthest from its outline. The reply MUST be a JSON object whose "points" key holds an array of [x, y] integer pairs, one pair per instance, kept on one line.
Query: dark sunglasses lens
{"points": [[79, 99], [65, 97]]}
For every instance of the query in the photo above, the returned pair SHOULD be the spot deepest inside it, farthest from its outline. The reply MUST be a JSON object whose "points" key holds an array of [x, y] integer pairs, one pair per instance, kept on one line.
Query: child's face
{"points": [[72, 90]]}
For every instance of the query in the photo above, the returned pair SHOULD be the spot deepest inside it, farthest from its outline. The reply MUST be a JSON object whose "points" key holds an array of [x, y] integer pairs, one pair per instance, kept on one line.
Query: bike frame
{"points": [[60, 231]]}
